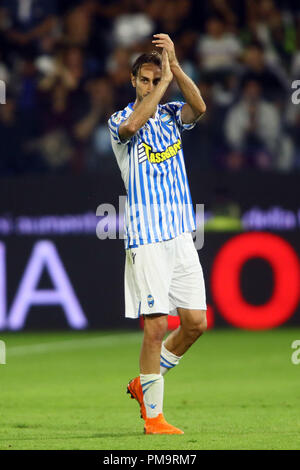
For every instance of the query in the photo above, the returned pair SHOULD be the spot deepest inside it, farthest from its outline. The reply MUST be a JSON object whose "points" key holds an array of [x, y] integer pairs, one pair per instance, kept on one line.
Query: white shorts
{"points": [[159, 277]]}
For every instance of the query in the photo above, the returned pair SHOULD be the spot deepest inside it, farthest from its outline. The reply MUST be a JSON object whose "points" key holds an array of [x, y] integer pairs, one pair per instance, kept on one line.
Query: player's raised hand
{"points": [[164, 41], [166, 73]]}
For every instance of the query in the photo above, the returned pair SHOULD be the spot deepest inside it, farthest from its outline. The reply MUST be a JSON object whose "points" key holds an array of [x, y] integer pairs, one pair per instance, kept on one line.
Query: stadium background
{"points": [[66, 68]]}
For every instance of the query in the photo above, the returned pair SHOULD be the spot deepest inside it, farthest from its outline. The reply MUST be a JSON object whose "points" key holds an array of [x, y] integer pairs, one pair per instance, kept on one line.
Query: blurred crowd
{"points": [[66, 66]]}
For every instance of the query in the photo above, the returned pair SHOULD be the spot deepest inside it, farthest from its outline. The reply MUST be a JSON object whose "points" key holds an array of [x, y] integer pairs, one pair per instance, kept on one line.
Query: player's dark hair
{"points": [[153, 57]]}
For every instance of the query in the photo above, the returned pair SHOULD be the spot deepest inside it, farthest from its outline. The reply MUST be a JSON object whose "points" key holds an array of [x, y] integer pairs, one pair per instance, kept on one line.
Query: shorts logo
{"points": [[150, 300], [158, 157], [133, 255]]}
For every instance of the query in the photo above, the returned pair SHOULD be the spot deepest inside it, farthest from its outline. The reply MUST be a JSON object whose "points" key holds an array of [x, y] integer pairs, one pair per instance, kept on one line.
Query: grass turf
{"points": [[233, 390]]}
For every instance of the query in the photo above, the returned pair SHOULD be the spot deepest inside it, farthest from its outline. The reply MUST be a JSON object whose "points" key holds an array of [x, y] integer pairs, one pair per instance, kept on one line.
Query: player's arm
{"points": [[194, 106], [147, 107]]}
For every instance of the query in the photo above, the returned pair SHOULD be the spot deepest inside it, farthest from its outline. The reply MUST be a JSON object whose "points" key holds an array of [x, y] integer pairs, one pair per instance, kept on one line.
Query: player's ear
{"points": [[133, 80]]}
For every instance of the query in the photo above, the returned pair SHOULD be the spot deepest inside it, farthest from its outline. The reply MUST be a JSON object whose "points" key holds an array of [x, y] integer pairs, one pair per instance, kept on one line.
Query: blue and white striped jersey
{"points": [[158, 205]]}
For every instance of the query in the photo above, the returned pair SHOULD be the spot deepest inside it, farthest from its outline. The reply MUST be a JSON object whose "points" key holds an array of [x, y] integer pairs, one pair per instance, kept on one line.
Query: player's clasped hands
{"points": [[165, 42]]}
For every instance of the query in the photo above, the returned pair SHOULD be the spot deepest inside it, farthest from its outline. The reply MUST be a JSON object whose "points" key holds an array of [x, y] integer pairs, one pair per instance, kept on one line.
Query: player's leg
{"points": [[187, 292], [148, 388], [192, 325], [155, 328], [152, 382], [151, 269]]}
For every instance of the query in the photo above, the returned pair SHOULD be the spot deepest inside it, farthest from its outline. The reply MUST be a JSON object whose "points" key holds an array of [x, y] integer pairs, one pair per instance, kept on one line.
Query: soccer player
{"points": [[163, 274]]}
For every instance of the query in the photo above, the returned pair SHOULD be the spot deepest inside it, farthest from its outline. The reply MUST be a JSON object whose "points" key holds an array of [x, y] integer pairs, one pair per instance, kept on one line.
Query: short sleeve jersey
{"points": [[158, 204]]}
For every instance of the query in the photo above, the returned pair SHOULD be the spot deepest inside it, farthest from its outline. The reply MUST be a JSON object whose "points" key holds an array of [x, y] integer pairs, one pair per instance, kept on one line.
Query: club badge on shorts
{"points": [[150, 300]]}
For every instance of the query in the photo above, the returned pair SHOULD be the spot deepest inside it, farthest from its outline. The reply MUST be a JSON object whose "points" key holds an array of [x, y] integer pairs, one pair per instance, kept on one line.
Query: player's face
{"points": [[147, 79]]}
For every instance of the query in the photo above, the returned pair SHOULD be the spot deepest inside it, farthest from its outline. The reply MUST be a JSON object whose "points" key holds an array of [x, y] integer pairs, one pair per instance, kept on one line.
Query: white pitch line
{"points": [[66, 345]]}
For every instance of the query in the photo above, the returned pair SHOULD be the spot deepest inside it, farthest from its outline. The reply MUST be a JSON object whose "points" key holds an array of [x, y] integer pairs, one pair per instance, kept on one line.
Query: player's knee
{"points": [[197, 330], [197, 326], [202, 326], [155, 329]]}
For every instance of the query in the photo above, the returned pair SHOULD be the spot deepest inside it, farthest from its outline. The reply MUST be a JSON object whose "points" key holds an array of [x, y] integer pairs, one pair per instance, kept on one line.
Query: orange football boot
{"points": [[135, 389], [159, 425]]}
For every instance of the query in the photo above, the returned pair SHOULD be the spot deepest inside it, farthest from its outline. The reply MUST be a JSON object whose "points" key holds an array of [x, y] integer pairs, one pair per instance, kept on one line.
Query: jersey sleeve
{"points": [[114, 123], [174, 108]]}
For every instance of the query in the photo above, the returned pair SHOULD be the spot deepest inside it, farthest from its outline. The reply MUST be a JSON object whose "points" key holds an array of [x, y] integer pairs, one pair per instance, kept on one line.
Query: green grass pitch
{"points": [[233, 390]]}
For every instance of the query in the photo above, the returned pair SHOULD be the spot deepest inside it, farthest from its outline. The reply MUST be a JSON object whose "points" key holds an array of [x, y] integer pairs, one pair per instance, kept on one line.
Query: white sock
{"points": [[153, 391], [168, 360]]}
